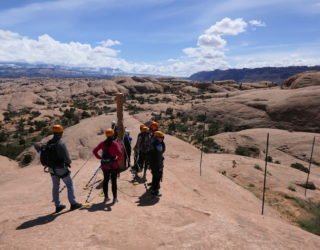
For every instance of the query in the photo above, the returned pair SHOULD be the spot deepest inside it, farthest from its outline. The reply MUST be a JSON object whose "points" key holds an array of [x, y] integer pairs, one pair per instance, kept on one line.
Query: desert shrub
{"points": [[300, 167], [80, 104], [9, 115], [26, 160], [247, 151], [269, 158], [228, 127], [310, 185], [277, 162], [169, 111], [11, 150], [182, 127], [39, 103], [39, 125], [251, 185], [198, 137], [140, 99], [35, 114], [257, 166], [22, 141], [201, 118], [210, 145], [292, 188], [309, 223], [3, 136], [224, 172], [133, 109], [184, 118], [172, 126], [85, 114], [45, 131], [213, 129]]}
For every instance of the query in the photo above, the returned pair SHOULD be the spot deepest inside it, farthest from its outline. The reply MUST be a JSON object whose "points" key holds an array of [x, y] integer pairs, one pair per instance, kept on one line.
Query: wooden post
{"points": [[203, 132], [120, 101], [265, 174], [305, 191]]}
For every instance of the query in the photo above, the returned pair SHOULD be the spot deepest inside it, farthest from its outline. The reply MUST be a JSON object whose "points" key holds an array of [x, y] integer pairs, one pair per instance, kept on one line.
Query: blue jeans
{"points": [[56, 185]]}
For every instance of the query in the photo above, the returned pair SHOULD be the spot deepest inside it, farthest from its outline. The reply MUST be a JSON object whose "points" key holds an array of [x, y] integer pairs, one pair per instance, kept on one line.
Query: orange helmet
{"points": [[57, 128], [158, 134], [154, 125], [109, 132], [145, 129]]}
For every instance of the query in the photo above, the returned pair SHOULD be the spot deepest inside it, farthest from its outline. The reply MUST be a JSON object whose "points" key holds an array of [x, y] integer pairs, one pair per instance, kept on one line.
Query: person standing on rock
{"points": [[156, 161], [111, 154], [154, 126], [127, 139], [115, 129], [58, 162]]}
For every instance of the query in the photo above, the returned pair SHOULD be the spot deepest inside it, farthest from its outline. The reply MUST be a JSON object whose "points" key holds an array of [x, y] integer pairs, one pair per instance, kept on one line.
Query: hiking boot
{"points": [[75, 206], [114, 200], [106, 199], [60, 208], [155, 192]]}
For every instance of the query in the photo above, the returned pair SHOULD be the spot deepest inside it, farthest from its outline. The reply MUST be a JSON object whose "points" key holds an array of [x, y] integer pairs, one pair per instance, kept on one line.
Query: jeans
{"points": [[56, 185]]}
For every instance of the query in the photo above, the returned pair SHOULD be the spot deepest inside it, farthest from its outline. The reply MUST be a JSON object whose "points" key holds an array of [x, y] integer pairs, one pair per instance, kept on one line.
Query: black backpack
{"points": [[145, 143], [49, 155]]}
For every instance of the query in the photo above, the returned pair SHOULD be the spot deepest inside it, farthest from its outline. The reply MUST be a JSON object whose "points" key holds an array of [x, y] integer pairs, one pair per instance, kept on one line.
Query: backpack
{"points": [[49, 155], [145, 143]]}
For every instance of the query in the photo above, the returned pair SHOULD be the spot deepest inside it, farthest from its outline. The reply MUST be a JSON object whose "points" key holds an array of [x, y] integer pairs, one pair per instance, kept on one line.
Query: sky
{"points": [[162, 37]]}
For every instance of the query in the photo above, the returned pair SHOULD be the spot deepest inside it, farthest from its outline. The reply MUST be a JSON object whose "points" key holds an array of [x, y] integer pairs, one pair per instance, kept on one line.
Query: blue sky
{"points": [[166, 37]]}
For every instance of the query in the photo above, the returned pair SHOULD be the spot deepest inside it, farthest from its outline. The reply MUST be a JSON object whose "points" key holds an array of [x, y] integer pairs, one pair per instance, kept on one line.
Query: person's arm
{"points": [[63, 153], [95, 151]]}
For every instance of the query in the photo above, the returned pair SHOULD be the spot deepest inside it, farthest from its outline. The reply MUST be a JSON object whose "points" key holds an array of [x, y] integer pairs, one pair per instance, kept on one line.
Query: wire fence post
{"points": [[201, 149], [305, 192], [265, 174]]}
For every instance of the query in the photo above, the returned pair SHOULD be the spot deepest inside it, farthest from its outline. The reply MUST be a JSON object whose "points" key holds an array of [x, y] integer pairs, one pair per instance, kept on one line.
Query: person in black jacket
{"points": [[58, 168], [156, 161]]}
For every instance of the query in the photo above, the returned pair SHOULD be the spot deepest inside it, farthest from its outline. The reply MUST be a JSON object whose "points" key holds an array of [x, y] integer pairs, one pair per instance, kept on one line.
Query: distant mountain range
{"points": [[10, 70], [274, 74]]}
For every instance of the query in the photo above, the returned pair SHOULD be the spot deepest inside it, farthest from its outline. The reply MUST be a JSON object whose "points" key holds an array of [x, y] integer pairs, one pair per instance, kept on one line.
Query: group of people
{"points": [[149, 151]]}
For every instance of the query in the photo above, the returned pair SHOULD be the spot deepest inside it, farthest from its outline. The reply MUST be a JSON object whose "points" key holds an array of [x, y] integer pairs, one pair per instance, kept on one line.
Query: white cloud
{"points": [[109, 43], [211, 41], [257, 23], [279, 59], [45, 49], [209, 53], [228, 26]]}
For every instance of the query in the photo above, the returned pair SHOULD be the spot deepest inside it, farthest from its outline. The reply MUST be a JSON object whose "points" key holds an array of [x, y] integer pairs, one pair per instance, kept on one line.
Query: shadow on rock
{"points": [[40, 220], [99, 207], [147, 200]]}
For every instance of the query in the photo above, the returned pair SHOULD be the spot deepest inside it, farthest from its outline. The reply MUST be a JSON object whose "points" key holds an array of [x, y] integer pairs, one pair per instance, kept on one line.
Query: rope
{"points": [[76, 173], [95, 175]]}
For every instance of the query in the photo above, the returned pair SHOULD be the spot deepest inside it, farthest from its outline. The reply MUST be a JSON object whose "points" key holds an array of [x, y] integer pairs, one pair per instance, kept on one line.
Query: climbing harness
{"points": [[76, 173]]}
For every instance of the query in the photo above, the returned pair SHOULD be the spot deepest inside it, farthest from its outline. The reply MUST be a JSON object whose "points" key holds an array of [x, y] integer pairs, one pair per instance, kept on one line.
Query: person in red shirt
{"points": [[111, 154]]}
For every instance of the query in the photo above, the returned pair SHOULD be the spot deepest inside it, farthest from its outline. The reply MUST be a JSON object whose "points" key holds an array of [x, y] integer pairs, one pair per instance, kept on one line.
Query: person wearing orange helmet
{"points": [[143, 147], [156, 161], [154, 126], [111, 154], [58, 161]]}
